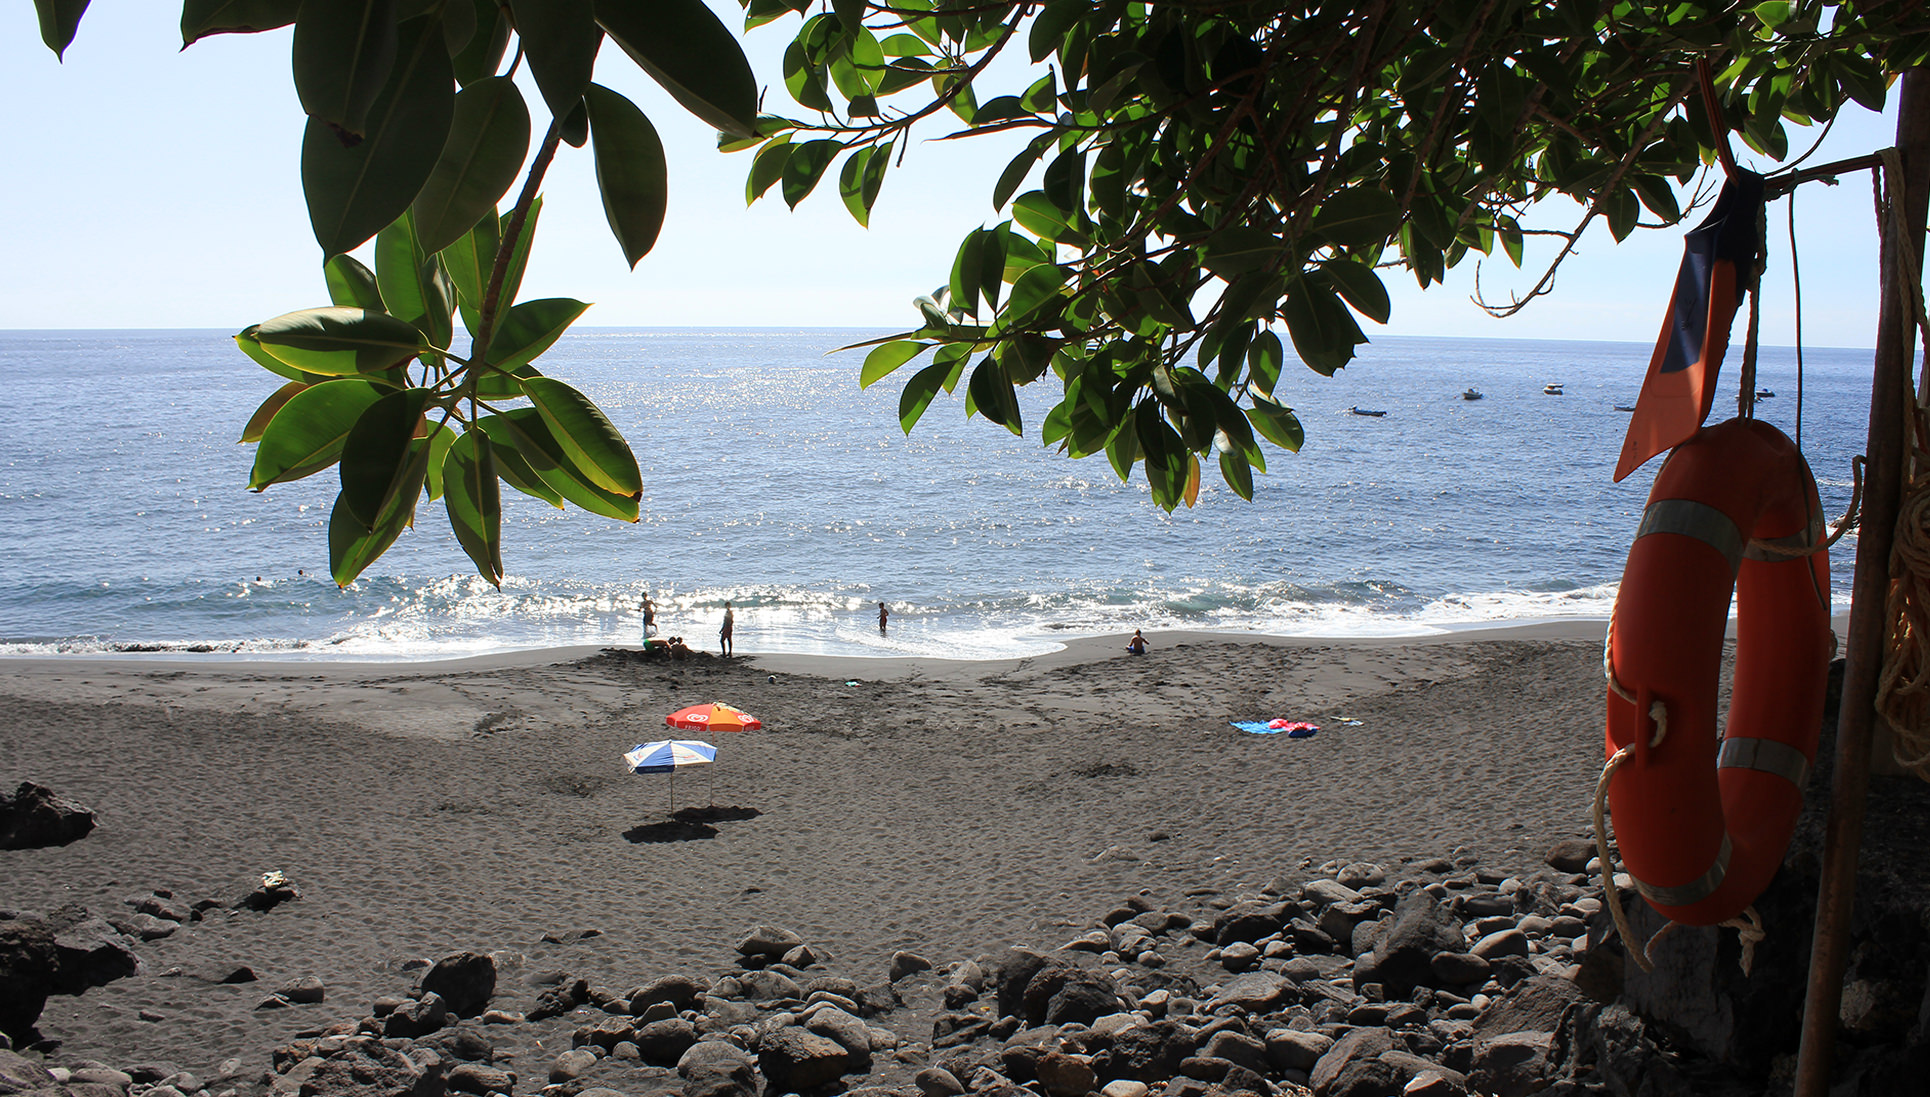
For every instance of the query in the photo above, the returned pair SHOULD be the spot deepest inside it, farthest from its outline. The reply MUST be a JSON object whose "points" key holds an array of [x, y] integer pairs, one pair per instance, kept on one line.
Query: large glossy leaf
{"points": [[478, 57], [474, 502], [307, 434], [688, 50], [990, 393], [352, 285], [1361, 286], [560, 38], [407, 281], [380, 470], [353, 546], [531, 328], [888, 357], [586, 436], [354, 191], [1323, 331], [488, 138], [630, 170], [275, 402], [524, 432], [250, 346], [805, 167], [59, 19], [441, 437], [919, 391], [343, 53], [470, 259], [200, 18], [1358, 216], [511, 469], [338, 342]]}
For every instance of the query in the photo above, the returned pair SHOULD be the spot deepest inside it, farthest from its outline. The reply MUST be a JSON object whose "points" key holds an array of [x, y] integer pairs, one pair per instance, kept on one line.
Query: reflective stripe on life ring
{"points": [[1702, 825]]}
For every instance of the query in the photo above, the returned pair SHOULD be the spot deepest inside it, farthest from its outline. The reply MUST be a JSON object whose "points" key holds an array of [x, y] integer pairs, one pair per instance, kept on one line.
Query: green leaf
{"points": [[1034, 288], [511, 469], [1358, 216], [441, 437], [1324, 332], [1016, 171], [886, 358], [1264, 357], [586, 436], [342, 56], [1276, 424], [407, 278], [258, 422], [1238, 249], [991, 393], [560, 39], [250, 346], [352, 285], [524, 431], [477, 58], [920, 390], [805, 166], [469, 261], [475, 503], [767, 167], [630, 170], [379, 470], [688, 50], [965, 267], [306, 435], [496, 384], [1655, 193], [353, 546], [1237, 472], [354, 192], [201, 18], [530, 328], [1360, 286], [339, 342], [858, 183], [488, 138], [1040, 217], [518, 252]]}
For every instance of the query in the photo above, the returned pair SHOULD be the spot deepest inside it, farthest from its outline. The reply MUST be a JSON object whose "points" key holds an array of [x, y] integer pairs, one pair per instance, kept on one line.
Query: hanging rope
{"points": [[1903, 688], [1659, 713], [1796, 279]]}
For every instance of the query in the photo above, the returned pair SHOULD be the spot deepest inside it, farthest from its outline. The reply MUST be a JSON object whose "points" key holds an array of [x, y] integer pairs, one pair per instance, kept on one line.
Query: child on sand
{"points": [[1136, 645], [723, 634]]}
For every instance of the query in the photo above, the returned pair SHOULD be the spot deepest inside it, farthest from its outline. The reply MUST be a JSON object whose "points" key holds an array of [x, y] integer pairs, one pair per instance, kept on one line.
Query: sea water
{"points": [[771, 480]]}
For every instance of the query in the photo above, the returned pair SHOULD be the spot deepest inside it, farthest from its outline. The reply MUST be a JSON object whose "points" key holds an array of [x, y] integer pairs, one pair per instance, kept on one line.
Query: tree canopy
{"points": [[1210, 190]]}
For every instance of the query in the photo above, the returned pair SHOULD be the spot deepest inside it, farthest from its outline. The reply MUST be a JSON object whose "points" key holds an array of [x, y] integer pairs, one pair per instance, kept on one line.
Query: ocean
{"points": [[772, 481]]}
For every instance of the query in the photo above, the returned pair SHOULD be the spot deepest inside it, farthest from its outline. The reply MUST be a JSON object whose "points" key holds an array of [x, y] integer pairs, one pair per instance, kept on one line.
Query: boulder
{"points": [[766, 985], [367, 1068], [768, 942], [1296, 1049], [1250, 921], [1063, 1075], [851, 1033], [91, 953], [1401, 957], [477, 1078], [1015, 971], [29, 962], [1257, 992], [907, 963], [663, 1043], [938, 1082], [1374, 1077], [795, 1060], [1058, 996], [680, 991], [714, 1068], [1150, 1053], [417, 1017], [1455, 969], [570, 1065], [560, 999], [1513, 1064], [464, 981], [1363, 1044], [34, 818], [1238, 1048], [1571, 855], [19, 1074]]}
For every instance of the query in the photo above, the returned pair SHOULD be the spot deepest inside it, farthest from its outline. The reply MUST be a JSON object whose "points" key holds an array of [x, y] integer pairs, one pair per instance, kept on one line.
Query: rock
{"points": [[605, 1035], [1364, 1044], [419, 1017], [907, 963], [1507, 942], [1250, 921], [1400, 960], [1295, 1049], [1063, 1075], [34, 818], [770, 942], [1514, 1064], [851, 1033], [144, 926], [29, 963], [1237, 1048], [1150, 1053], [560, 999], [465, 981], [1324, 892], [1257, 992], [663, 1043], [479, 1079], [306, 991], [1239, 956], [366, 1068], [1533, 1005], [570, 1065], [1571, 855], [1364, 1078], [681, 992], [1360, 874], [795, 1060], [1057, 996], [19, 1074], [1455, 969], [1015, 971], [938, 1082], [766, 985], [802, 956], [1124, 1087], [1432, 1083]]}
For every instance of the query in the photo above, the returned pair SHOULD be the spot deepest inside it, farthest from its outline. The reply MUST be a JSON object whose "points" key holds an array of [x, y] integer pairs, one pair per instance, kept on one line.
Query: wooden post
{"points": [[1890, 392]]}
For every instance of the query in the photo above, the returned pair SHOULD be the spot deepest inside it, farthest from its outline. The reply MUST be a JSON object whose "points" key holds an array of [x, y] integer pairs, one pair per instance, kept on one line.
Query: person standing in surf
{"points": [[884, 615], [649, 614], [723, 634]]}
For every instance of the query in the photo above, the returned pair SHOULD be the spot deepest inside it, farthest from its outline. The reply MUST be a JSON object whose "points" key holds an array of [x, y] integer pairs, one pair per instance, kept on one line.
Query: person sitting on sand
{"points": [[1136, 645], [677, 649], [723, 634]]}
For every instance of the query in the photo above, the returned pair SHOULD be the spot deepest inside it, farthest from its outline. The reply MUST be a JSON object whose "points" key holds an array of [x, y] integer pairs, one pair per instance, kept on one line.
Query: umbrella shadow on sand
{"points": [[689, 824]]}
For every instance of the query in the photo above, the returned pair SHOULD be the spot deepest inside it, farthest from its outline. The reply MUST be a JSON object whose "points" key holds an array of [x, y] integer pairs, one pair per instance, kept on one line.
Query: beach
{"points": [[948, 808]]}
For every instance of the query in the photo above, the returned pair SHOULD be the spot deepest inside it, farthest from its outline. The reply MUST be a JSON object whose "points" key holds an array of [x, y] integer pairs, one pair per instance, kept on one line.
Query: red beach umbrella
{"points": [[715, 716]]}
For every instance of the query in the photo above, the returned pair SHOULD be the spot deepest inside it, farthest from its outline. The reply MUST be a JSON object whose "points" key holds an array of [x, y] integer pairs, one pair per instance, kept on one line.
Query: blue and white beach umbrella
{"points": [[668, 756]]}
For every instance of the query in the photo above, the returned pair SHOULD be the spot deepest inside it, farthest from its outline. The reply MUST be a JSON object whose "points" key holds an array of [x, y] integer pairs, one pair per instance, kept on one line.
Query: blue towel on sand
{"points": [[1294, 729]]}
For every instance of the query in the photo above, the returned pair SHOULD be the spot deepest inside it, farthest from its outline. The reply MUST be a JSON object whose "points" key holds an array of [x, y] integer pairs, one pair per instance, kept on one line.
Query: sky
{"points": [[151, 187]]}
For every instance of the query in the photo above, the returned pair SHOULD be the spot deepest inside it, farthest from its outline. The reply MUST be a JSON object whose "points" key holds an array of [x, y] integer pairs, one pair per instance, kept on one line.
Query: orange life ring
{"points": [[1703, 826]]}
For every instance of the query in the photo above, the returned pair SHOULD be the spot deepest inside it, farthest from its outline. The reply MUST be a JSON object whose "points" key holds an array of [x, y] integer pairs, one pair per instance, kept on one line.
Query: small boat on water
{"points": [[1366, 411], [1624, 407], [1552, 389], [1471, 394], [1763, 394]]}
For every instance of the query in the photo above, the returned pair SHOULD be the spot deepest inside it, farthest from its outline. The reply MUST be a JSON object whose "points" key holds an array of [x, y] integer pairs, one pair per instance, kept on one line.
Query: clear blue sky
{"points": [[154, 187]]}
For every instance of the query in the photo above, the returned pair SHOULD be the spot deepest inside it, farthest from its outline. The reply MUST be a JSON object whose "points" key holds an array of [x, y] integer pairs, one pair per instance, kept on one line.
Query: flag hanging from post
{"points": [[1718, 259]]}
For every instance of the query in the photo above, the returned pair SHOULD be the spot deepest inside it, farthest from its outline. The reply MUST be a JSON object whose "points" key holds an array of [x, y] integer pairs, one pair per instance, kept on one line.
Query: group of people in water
{"points": [[680, 650]]}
